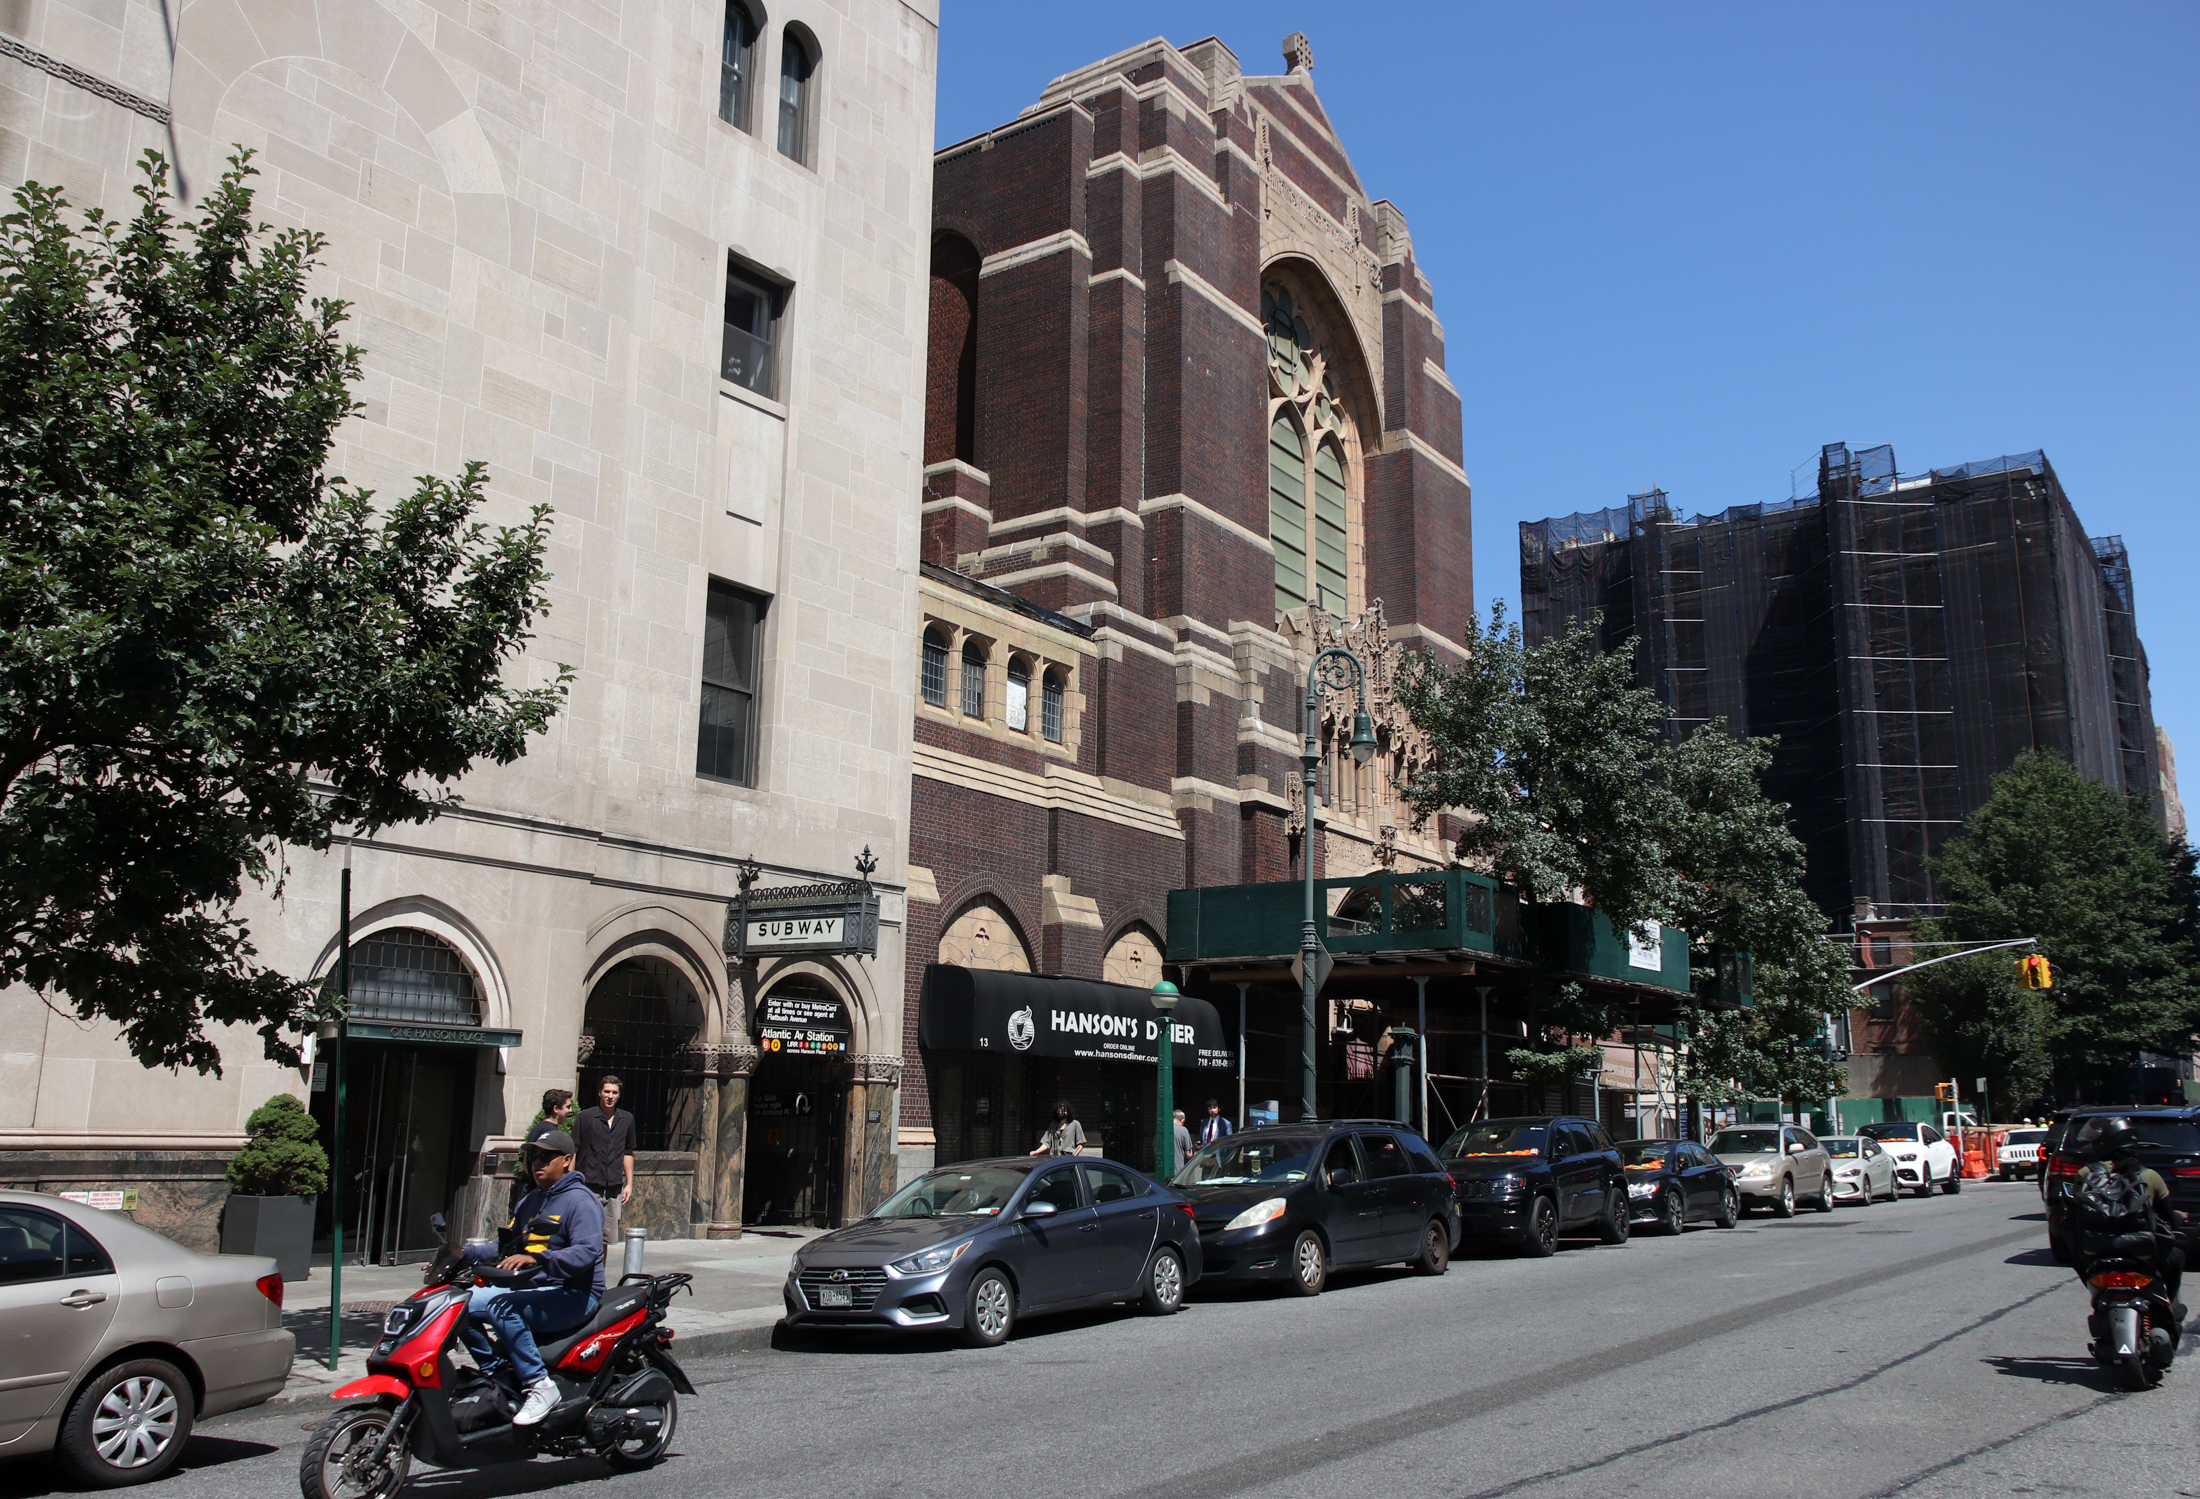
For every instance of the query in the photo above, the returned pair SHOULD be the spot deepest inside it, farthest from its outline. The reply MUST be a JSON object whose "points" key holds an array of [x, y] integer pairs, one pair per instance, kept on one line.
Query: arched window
{"points": [[1018, 715], [951, 357], [410, 975], [1329, 529], [973, 682], [1287, 511], [796, 63], [638, 1017], [1050, 708], [736, 60], [935, 668]]}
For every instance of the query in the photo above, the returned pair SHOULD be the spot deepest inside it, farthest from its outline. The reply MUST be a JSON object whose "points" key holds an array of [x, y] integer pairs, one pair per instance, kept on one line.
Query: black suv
{"points": [[1528, 1181], [1288, 1202], [2169, 1142]]}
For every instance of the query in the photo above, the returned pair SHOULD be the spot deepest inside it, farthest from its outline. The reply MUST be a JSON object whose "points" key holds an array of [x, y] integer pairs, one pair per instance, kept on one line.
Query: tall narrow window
{"points": [[935, 668], [973, 683], [796, 63], [736, 55], [1329, 570], [752, 329], [1050, 708], [1018, 715], [725, 741], [1287, 512]]}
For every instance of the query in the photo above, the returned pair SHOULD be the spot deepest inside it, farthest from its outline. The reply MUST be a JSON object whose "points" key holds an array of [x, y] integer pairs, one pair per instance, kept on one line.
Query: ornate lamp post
{"points": [[1336, 669], [1164, 999]]}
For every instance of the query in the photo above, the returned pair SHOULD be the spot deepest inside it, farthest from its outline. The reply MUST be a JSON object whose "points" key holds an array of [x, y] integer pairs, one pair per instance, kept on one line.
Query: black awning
{"points": [[1028, 1014]]}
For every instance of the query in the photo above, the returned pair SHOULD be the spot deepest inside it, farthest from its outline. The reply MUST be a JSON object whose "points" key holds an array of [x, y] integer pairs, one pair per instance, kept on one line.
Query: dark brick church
{"points": [[1187, 417]]}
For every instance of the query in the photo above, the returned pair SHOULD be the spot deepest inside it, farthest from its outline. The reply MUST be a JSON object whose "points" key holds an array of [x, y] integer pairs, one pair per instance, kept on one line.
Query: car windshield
{"points": [[1643, 1156], [2026, 1136], [1889, 1131], [1840, 1149], [1746, 1142], [973, 1192], [1261, 1158], [1498, 1137]]}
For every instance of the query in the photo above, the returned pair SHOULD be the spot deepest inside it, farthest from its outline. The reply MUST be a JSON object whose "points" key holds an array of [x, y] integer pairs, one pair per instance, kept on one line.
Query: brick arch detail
{"points": [[979, 889]]}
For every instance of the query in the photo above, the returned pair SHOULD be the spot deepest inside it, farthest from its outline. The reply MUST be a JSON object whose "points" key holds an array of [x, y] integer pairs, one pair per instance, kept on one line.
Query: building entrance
{"points": [[406, 1110], [798, 1109]]}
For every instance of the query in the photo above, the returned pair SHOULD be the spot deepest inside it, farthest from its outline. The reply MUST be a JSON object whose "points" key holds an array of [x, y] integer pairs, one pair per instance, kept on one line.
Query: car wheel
{"points": [[989, 1311], [1783, 1206], [1825, 1193], [1674, 1217], [1309, 1264], [1542, 1236], [1864, 1193], [1730, 1209], [1612, 1227], [128, 1424], [2057, 1249], [1954, 1183], [329, 1468], [1435, 1255], [1925, 1180], [1164, 1291], [2006, 1174]]}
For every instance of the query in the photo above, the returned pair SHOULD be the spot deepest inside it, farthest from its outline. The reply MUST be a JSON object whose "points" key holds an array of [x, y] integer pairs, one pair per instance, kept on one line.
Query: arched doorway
{"points": [[795, 1164], [639, 1016]]}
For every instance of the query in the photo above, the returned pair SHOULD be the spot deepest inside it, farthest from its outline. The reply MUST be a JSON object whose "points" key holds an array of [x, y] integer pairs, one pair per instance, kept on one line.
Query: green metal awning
{"points": [[430, 1035]]}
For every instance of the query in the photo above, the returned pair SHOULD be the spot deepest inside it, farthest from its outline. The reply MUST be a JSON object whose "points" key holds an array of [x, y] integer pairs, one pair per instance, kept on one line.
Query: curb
{"points": [[758, 1338]]}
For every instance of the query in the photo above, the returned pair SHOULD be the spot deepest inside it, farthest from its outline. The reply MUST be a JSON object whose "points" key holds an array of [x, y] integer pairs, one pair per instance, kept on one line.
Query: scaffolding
{"points": [[1903, 638]]}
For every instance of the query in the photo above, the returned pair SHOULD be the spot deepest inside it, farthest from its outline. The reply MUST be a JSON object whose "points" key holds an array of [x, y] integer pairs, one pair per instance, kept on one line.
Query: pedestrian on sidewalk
{"points": [[1065, 1136], [1183, 1144], [603, 1141], [556, 1115], [1215, 1125]]}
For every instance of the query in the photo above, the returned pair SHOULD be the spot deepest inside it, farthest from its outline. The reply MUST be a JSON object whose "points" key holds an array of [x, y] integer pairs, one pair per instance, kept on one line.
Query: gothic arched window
{"points": [[1308, 435]]}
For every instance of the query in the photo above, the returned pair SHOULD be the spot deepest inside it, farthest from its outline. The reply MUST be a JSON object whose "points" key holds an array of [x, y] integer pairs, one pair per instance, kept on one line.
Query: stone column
{"points": [[733, 1066], [872, 1168]]}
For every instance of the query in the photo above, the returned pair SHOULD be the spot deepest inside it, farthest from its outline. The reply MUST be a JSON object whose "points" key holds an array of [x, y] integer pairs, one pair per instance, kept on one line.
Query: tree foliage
{"points": [[2114, 903], [210, 649], [1978, 1023], [282, 1154], [1559, 763]]}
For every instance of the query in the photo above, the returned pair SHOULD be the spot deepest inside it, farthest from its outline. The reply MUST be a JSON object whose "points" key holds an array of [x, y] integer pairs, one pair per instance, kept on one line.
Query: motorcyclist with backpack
{"points": [[557, 1232], [2122, 1210]]}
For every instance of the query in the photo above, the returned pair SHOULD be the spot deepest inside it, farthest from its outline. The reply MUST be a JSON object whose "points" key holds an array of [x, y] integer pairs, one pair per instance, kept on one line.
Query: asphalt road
{"points": [[1922, 1348]]}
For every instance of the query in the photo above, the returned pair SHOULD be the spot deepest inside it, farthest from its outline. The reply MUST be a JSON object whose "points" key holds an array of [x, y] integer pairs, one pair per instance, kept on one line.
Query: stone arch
{"points": [[871, 1033], [651, 930], [984, 933], [1335, 330], [442, 921], [1133, 956], [951, 358]]}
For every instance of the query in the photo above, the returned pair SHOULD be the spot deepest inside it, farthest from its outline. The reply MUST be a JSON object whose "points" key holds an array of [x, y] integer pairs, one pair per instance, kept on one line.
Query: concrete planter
{"points": [[278, 1226]]}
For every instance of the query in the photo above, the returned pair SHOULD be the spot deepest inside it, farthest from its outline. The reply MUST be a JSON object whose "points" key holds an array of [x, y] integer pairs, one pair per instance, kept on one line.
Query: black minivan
{"points": [[1527, 1181], [1291, 1202]]}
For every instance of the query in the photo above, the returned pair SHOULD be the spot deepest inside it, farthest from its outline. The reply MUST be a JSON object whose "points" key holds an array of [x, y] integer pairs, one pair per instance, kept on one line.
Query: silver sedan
{"points": [[1862, 1171], [113, 1340]]}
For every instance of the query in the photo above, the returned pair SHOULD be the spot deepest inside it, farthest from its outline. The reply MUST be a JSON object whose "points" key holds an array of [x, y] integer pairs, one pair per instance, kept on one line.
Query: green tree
{"points": [[2114, 903], [1978, 1023], [208, 649], [282, 1154]]}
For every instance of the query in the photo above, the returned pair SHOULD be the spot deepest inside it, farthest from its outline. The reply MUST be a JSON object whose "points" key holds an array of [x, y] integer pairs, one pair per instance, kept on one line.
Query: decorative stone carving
{"points": [[717, 1059], [1298, 53], [585, 1050], [1386, 845], [1294, 800], [876, 1067]]}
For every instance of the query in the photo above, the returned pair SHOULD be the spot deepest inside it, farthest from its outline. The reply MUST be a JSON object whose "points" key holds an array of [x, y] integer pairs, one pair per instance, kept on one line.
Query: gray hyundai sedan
{"points": [[113, 1339], [971, 1248]]}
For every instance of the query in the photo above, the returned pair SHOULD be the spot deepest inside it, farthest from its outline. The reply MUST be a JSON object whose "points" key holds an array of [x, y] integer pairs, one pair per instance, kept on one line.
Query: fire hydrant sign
{"points": [[802, 1025]]}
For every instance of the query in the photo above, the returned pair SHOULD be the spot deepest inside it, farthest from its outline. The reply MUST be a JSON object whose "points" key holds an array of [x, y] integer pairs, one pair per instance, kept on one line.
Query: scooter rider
{"points": [[2116, 1148], [556, 1231]]}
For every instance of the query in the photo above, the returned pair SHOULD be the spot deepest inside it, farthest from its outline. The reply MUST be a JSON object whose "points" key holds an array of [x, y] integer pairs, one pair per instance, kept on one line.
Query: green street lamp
{"points": [[1164, 997], [1335, 669]]}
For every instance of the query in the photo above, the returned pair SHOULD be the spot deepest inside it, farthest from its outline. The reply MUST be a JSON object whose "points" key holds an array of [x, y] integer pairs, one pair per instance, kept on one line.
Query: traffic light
{"points": [[1945, 1093], [2035, 972]]}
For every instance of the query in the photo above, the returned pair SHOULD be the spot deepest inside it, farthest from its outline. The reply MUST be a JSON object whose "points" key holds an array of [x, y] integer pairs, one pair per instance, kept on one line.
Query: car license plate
{"points": [[835, 1296]]}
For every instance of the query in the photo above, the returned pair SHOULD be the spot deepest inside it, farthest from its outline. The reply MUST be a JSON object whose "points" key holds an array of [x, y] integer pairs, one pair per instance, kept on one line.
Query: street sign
{"points": [[1323, 962], [839, 917]]}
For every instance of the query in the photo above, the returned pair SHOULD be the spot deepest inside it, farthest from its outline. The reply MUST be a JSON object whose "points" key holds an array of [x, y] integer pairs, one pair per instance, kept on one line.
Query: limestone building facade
{"points": [[662, 264], [1187, 417]]}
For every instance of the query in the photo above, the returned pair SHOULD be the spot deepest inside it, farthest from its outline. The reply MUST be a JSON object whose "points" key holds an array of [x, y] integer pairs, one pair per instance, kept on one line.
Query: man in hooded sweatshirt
{"points": [[557, 1232]]}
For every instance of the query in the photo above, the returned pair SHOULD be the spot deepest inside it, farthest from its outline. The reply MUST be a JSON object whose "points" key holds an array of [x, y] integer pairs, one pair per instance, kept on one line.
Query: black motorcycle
{"points": [[2134, 1325], [618, 1390]]}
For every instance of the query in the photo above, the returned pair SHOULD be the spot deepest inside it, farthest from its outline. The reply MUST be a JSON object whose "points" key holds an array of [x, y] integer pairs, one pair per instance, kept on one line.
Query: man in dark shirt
{"points": [[603, 1141]]}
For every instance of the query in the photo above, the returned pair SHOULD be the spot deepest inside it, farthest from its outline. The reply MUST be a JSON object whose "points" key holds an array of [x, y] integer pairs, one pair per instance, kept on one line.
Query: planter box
{"points": [[278, 1226]]}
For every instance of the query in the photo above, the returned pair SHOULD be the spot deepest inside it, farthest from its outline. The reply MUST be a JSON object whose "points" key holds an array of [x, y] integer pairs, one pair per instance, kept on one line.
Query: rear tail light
{"points": [[1183, 1207], [2120, 1280], [2185, 1173], [271, 1286]]}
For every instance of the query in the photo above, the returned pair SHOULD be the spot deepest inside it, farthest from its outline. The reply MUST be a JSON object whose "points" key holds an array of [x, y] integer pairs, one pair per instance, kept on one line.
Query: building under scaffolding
{"points": [[1904, 638]]}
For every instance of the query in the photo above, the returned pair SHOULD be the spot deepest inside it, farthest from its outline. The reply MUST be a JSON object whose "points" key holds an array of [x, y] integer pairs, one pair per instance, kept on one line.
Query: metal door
{"points": [[1127, 1227], [55, 1303], [797, 1120]]}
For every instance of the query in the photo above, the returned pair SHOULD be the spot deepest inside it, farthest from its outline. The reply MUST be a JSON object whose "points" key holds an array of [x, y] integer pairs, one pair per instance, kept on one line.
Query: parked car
{"points": [[115, 1340], [1291, 1202], [2169, 1142], [2019, 1154], [2054, 1163], [1673, 1183], [1528, 1181], [1776, 1165], [1862, 1169], [973, 1248], [1922, 1155]]}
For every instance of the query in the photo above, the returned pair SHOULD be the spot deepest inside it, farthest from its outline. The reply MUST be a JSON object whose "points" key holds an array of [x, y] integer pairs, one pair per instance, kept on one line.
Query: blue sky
{"points": [[1687, 245]]}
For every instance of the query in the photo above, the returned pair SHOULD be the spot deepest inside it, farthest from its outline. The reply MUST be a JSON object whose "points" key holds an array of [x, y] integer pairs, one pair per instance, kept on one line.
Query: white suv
{"points": [[1922, 1156]]}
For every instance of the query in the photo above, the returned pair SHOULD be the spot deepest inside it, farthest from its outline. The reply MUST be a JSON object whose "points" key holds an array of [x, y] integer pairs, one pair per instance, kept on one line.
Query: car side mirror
{"points": [[1040, 1208], [1340, 1177]]}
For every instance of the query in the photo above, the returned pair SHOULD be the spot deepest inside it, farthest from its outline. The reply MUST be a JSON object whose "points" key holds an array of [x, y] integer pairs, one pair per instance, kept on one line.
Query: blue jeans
{"points": [[519, 1318]]}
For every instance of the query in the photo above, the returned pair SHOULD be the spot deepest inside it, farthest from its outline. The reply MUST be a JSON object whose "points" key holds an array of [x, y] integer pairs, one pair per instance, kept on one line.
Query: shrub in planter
{"points": [[273, 1181]]}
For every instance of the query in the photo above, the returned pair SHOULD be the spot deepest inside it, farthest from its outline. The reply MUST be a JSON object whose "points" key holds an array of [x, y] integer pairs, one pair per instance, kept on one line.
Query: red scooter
{"points": [[618, 1390]]}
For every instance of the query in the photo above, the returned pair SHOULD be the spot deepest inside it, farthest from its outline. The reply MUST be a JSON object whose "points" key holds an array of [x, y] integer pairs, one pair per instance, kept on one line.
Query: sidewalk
{"points": [[734, 1303]]}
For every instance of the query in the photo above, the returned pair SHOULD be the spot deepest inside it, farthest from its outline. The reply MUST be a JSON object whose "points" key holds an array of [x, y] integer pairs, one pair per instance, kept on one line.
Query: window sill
{"points": [[748, 397], [726, 781]]}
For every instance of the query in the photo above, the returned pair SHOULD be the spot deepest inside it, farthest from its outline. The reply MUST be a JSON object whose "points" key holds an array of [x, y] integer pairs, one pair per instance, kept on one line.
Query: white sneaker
{"points": [[541, 1395]]}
